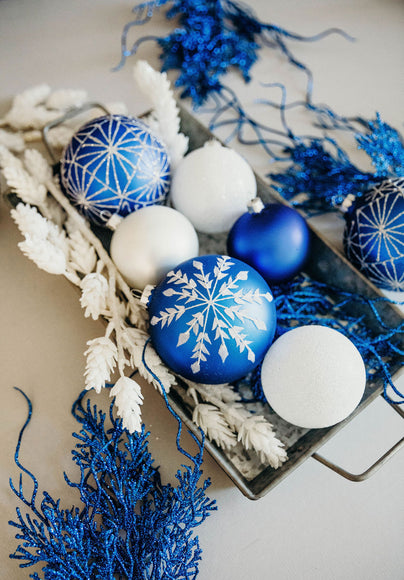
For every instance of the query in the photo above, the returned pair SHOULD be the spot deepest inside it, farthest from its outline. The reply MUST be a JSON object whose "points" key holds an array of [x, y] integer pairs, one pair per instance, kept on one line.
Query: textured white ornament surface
{"points": [[313, 376], [212, 187], [150, 242]]}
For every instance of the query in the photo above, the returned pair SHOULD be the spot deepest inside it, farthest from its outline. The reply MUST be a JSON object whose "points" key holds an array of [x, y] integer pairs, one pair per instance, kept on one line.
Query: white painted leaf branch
{"points": [[60, 241]]}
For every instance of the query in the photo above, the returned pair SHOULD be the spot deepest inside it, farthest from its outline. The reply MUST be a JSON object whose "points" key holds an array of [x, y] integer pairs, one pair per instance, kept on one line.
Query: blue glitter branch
{"points": [[327, 178], [211, 37], [130, 525]]}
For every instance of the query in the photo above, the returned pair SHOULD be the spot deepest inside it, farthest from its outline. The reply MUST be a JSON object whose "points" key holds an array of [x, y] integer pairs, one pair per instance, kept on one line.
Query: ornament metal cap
{"points": [[146, 294], [256, 205]]}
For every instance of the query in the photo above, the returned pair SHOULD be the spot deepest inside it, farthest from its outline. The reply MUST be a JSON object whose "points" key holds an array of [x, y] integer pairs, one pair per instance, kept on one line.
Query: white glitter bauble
{"points": [[313, 376], [150, 242], [212, 187]]}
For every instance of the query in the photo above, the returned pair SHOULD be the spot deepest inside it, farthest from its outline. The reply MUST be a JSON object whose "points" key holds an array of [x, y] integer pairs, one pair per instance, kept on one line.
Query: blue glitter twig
{"points": [[130, 525]]}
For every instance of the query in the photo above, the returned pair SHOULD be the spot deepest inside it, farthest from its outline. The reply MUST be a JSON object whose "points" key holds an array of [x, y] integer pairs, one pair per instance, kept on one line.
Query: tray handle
{"points": [[373, 468], [70, 114]]}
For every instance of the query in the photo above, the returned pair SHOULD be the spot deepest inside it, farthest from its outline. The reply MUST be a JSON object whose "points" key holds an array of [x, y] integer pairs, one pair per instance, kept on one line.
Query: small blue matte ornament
{"points": [[114, 165], [212, 319], [273, 238], [374, 234]]}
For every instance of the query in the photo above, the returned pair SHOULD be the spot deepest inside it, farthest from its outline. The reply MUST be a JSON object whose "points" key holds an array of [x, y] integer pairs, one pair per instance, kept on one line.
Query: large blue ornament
{"points": [[212, 319], [374, 234], [273, 238], [114, 165]]}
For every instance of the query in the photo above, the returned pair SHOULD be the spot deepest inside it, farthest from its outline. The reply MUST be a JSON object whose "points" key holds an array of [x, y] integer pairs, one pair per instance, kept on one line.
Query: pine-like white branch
{"points": [[256, 433], [101, 359], [13, 141], [164, 119], [94, 295], [128, 398], [214, 425], [134, 341]]}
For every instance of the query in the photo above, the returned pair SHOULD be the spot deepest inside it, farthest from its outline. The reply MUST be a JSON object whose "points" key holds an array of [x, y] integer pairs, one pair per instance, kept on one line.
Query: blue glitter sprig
{"points": [[327, 178], [130, 524], [211, 37]]}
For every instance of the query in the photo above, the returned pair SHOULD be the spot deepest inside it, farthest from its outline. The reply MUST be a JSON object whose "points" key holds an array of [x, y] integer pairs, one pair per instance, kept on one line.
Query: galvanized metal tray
{"points": [[326, 264]]}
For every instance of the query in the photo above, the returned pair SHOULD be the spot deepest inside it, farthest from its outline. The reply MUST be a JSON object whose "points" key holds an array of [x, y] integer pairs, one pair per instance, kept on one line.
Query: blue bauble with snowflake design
{"points": [[114, 165], [374, 234], [212, 319]]}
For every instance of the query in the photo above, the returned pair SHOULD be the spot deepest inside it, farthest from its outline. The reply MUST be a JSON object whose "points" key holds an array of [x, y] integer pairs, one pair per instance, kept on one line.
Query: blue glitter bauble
{"points": [[114, 165], [374, 234], [212, 319], [273, 238]]}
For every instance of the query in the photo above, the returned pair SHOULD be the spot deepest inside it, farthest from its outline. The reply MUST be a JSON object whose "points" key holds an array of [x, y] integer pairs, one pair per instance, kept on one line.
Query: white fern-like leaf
{"points": [[94, 295], [64, 99], [164, 119], [101, 359], [29, 221], [37, 165], [44, 255], [13, 141], [128, 399], [82, 256], [24, 185], [134, 341], [256, 433], [214, 425]]}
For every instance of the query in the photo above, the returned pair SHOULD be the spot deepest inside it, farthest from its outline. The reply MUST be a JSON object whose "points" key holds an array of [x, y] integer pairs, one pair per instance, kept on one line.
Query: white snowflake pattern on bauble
{"points": [[212, 319]]}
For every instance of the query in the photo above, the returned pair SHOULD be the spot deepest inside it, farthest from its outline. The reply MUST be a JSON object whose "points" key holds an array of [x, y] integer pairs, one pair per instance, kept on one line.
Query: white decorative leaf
{"points": [[164, 119], [128, 398], [182, 338], [94, 295], [101, 358], [256, 433], [223, 352], [213, 423], [134, 340]]}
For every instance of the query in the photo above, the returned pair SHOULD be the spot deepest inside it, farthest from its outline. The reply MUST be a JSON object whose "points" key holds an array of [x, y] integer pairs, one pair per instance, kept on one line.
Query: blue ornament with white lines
{"points": [[212, 319], [374, 234], [114, 165]]}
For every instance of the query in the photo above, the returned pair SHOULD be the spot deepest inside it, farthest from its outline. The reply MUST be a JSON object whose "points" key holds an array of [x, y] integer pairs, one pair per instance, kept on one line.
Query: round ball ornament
{"points": [[114, 165], [212, 186], [313, 376], [149, 242], [374, 234], [273, 238], [212, 319]]}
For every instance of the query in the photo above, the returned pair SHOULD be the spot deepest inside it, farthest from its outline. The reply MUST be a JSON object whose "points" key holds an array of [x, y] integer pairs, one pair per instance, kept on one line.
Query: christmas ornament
{"points": [[114, 165], [212, 186], [313, 376], [374, 234], [149, 242], [273, 238], [212, 319]]}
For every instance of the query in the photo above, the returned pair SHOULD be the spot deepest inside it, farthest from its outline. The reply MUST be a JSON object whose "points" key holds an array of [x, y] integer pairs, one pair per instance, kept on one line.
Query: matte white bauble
{"points": [[150, 242], [313, 376], [212, 186]]}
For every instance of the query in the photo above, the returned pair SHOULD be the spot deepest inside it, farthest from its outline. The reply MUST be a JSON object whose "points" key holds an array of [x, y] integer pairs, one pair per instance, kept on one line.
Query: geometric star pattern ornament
{"points": [[114, 165], [212, 319], [374, 234]]}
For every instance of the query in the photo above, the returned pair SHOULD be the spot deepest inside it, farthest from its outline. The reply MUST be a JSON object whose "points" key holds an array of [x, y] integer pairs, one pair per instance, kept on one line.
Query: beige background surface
{"points": [[315, 525]]}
